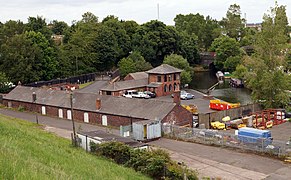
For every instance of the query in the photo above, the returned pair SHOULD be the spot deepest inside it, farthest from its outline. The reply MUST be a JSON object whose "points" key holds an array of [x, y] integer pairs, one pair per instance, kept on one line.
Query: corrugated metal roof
{"points": [[136, 108], [139, 75], [125, 85], [164, 69]]}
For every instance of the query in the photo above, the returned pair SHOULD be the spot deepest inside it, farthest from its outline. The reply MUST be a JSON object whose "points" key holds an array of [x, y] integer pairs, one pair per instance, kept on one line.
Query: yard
{"points": [[28, 152]]}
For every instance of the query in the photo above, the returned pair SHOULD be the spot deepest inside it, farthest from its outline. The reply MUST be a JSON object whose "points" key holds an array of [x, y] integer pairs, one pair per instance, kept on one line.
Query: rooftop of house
{"points": [[137, 108], [123, 85], [139, 75], [107, 137], [164, 69]]}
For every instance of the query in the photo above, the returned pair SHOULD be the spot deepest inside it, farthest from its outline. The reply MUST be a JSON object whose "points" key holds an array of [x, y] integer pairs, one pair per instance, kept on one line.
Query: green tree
{"points": [[38, 24], [188, 48], [206, 29], [59, 27], [155, 40], [133, 63], [225, 47], [265, 76], [4, 83], [28, 57], [232, 62], [179, 62], [233, 24]]}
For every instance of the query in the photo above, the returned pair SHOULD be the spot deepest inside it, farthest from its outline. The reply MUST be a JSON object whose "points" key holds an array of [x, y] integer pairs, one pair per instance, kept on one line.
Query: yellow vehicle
{"points": [[217, 125], [192, 108]]}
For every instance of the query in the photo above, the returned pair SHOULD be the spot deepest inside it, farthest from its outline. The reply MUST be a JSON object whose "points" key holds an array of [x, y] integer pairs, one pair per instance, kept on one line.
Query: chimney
{"points": [[98, 104], [176, 98]]}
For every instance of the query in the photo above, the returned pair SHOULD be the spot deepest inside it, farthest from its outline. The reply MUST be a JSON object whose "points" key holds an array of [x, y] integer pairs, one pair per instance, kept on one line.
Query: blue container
{"points": [[255, 136]]}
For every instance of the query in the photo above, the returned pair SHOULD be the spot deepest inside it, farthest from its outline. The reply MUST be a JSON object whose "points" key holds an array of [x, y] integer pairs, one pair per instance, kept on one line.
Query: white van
{"points": [[130, 93]]}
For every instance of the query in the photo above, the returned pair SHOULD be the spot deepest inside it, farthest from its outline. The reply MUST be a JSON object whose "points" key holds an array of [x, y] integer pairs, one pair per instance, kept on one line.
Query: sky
{"points": [[140, 11]]}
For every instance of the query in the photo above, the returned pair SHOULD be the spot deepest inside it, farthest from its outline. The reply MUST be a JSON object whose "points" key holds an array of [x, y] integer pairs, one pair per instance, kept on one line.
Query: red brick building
{"points": [[96, 109], [163, 80]]}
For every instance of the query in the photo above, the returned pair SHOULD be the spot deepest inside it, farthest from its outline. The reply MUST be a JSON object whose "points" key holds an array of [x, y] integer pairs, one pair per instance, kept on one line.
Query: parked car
{"points": [[181, 92], [130, 93], [151, 94], [141, 95], [186, 96]]}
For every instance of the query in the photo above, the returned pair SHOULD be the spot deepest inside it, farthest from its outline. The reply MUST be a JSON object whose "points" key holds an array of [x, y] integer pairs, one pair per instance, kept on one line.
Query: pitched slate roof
{"points": [[164, 69], [139, 75], [136, 108], [124, 85]]}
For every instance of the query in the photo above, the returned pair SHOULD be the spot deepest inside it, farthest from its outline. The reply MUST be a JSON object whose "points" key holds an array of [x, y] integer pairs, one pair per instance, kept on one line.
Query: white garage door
{"points": [[43, 110]]}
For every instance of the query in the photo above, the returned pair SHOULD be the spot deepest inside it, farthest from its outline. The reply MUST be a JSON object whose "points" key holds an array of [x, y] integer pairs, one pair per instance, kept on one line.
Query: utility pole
{"points": [[73, 122], [35, 106], [158, 9]]}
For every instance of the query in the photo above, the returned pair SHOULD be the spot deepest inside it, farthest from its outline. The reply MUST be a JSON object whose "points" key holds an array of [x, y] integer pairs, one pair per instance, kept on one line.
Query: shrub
{"points": [[156, 163], [21, 108]]}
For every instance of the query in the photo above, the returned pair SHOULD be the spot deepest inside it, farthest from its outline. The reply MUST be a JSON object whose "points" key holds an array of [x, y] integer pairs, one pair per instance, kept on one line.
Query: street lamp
{"points": [[72, 116], [34, 101]]}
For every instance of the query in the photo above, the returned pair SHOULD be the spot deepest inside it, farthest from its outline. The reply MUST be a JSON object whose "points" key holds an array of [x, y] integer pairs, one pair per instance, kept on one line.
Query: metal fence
{"points": [[215, 137]]}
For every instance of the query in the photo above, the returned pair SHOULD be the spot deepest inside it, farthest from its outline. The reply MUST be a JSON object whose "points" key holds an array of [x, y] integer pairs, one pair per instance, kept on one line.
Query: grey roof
{"points": [[139, 75], [164, 69], [125, 85], [136, 108], [107, 137]]}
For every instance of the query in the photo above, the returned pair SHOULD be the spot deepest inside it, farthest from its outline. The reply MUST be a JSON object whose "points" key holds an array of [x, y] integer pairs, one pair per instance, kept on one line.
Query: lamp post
{"points": [[73, 122], [34, 101]]}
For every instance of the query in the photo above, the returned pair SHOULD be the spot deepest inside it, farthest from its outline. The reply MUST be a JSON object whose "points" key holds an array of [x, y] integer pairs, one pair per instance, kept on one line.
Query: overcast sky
{"points": [[140, 11]]}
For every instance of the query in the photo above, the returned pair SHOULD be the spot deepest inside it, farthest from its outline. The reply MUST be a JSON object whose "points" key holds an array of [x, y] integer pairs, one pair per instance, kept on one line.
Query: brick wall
{"points": [[160, 91], [78, 115], [179, 116]]}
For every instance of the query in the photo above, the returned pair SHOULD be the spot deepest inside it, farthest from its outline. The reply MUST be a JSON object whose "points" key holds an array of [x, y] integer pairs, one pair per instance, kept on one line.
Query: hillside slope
{"points": [[27, 152]]}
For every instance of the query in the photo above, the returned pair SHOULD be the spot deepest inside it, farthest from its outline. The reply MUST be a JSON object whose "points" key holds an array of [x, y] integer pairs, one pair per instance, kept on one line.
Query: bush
{"points": [[21, 108], [156, 163]]}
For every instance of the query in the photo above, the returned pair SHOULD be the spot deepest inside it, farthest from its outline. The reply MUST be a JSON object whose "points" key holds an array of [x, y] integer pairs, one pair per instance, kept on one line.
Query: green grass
{"points": [[85, 84], [28, 152]]}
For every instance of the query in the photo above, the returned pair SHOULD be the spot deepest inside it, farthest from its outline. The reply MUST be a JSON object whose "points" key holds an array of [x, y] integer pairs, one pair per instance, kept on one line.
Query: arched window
{"points": [[170, 87], [165, 88], [175, 87]]}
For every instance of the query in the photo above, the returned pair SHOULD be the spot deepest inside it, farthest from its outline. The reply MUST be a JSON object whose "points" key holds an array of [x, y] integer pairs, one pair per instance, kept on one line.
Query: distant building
{"points": [[96, 109], [163, 80], [257, 26]]}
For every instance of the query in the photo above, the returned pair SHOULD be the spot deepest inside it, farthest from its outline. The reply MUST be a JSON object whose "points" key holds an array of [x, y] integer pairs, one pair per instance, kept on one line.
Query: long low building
{"points": [[96, 109]]}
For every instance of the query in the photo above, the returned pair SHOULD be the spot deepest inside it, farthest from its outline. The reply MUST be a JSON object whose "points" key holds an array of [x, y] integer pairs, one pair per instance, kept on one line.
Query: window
{"points": [[165, 78], [69, 114], [170, 87], [10, 104], [61, 113], [104, 120], [43, 110], [86, 117], [170, 77], [159, 79], [165, 88], [175, 87], [178, 76]]}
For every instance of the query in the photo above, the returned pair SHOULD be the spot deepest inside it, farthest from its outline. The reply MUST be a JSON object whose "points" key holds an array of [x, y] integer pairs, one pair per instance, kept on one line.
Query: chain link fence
{"points": [[215, 137]]}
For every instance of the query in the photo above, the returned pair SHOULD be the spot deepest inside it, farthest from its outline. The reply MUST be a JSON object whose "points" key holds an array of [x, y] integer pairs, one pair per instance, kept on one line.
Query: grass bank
{"points": [[85, 84], [28, 152]]}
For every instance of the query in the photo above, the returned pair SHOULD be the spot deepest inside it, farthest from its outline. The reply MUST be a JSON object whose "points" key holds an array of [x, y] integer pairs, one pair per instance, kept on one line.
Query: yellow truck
{"points": [[192, 108]]}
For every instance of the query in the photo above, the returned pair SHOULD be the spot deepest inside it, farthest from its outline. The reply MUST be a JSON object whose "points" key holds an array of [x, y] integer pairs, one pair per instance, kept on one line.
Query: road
{"points": [[209, 161]]}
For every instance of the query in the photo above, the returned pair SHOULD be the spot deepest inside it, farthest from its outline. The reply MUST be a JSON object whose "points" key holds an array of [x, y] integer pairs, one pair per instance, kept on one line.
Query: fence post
{"points": [[86, 143]]}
